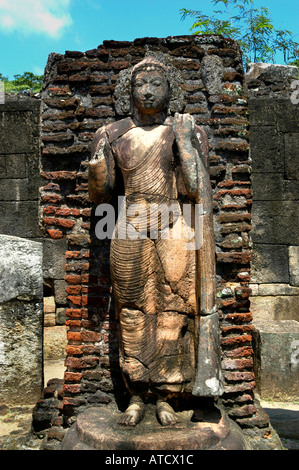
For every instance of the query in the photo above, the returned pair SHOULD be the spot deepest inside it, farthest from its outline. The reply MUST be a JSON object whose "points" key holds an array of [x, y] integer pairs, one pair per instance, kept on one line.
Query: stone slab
{"points": [[21, 320], [277, 359], [275, 307], [97, 429], [21, 269]]}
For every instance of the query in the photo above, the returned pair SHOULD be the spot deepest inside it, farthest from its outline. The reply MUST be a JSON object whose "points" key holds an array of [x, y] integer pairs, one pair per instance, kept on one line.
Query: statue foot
{"points": [[134, 413], [166, 414]]}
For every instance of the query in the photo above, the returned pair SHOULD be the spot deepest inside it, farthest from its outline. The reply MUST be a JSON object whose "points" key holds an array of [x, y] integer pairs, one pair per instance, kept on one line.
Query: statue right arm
{"points": [[101, 171]]}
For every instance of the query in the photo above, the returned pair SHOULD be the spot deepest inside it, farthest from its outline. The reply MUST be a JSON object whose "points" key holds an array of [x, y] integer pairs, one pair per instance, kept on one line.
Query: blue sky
{"points": [[31, 29]]}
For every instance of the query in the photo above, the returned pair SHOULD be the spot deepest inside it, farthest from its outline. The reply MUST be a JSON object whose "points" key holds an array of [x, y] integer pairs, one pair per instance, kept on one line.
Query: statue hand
{"points": [[99, 154], [183, 127]]}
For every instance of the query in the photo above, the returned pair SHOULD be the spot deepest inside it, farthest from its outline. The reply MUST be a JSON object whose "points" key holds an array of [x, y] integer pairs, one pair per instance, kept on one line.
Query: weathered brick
{"points": [[74, 312], [55, 234], [81, 362], [66, 223], [236, 341]]}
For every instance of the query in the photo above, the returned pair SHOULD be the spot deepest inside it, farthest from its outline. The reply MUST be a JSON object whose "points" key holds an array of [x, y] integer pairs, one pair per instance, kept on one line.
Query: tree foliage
{"points": [[251, 26], [21, 83]]}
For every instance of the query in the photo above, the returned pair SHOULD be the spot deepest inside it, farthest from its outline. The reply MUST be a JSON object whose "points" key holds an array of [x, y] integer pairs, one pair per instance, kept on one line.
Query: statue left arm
{"points": [[192, 145], [101, 171]]}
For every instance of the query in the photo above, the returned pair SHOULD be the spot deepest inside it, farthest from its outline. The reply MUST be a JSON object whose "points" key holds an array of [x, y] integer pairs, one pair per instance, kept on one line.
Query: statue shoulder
{"points": [[111, 132]]}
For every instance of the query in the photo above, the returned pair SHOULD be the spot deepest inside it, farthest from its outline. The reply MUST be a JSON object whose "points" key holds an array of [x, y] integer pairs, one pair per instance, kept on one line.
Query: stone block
{"points": [[277, 289], [273, 187], [19, 218], [262, 111], [266, 141], [54, 258], [49, 305], [60, 316], [287, 116], [21, 320], [277, 360], [291, 156], [55, 342], [21, 269], [59, 289], [14, 166], [294, 265], [49, 319], [269, 264], [275, 223], [275, 307]]}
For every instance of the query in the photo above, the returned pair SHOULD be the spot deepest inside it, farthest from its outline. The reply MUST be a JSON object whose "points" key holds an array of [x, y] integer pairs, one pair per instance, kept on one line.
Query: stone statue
{"points": [[164, 290]]}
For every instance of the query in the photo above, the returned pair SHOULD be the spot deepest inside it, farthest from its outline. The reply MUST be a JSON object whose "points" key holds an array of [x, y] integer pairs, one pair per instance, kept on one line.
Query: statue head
{"points": [[150, 89], [150, 86]]}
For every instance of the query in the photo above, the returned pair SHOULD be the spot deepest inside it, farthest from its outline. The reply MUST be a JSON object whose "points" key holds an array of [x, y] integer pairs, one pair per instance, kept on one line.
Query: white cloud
{"points": [[47, 17]]}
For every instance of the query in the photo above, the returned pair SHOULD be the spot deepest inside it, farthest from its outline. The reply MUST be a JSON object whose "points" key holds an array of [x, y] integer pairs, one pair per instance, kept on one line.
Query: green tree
{"points": [[251, 26], [21, 83]]}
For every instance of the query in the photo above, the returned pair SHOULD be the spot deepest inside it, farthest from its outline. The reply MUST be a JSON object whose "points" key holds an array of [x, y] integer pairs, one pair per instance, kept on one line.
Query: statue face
{"points": [[150, 91]]}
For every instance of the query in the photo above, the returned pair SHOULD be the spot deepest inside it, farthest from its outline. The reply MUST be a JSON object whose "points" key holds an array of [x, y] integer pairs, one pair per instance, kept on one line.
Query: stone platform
{"points": [[97, 429]]}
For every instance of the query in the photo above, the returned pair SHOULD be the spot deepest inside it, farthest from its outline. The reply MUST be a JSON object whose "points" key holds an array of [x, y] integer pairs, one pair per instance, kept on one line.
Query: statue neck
{"points": [[142, 119]]}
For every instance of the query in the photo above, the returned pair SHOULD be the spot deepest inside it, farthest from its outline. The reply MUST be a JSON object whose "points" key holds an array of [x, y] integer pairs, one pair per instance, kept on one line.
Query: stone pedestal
{"points": [[97, 429]]}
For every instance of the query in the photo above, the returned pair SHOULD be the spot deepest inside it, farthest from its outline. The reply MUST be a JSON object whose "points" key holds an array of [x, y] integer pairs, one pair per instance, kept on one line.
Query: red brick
{"points": [[239, 388], [74, 312], [50, 210], [51, 187], [77, 266], [75, 299], [73, 290], [245, 351], [72, 376], [233, 364], [74, 336], [60, 222], [239, 376], [55, 234], [73, 323], [58, 138], [239, 317], [51, 199], [73, 279], [90, 336], [228, 218], [59, 91], [72, 350], [62, 103], [237, 329], [234, 192], [239, 258], [236, 340], [72, 254], [81, 362], [68, 388], [243, 292], [59, 175], [246, 410]]}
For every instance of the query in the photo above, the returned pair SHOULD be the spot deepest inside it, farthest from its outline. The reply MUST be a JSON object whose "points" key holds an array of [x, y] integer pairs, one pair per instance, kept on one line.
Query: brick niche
{"points": [[77, 99]]}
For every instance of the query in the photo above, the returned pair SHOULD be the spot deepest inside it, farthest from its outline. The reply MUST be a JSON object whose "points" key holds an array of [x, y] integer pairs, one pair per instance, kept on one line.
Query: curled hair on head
{"points": [[123, 96]]}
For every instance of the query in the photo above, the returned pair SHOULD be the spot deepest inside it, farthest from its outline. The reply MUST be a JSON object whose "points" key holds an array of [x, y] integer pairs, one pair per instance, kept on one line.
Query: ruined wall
{"points": [[274, 124], [19, 167], [20, 182], [77, 100]]}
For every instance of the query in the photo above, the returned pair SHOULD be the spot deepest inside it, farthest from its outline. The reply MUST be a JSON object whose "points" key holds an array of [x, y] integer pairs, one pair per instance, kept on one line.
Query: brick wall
{"points": [[77, 99]]}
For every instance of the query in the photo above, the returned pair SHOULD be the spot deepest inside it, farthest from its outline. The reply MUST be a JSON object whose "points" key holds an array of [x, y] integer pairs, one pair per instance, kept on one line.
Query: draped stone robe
{"points": [[154, 276]]}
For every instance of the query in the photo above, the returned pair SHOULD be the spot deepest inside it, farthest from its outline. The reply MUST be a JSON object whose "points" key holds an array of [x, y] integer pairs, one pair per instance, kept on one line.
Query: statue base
{"points": [[97, 429]]}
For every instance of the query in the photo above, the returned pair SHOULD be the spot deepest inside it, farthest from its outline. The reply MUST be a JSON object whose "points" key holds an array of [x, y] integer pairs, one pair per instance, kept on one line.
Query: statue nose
{"points": [[148, 92]]}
